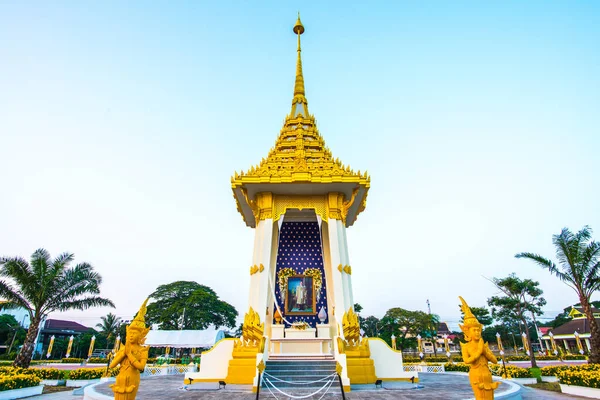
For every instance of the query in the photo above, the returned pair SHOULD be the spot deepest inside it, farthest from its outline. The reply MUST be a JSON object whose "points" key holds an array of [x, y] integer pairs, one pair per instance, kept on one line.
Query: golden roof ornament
{"points": [[299, 156]]}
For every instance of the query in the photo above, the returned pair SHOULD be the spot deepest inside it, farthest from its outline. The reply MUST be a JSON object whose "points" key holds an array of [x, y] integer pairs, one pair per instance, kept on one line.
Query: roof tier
{"points": [[300, 163]]}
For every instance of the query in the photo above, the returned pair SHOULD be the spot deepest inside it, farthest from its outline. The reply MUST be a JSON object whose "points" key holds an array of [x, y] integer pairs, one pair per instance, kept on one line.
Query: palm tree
{"points": [[109, 325], [578, 267], [47, 285]]}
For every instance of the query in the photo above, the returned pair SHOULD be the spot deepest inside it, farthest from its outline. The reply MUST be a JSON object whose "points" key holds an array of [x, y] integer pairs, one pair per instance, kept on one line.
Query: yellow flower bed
{"points": [[497, 369], [581, 375], [91, 373], [18, 381]]}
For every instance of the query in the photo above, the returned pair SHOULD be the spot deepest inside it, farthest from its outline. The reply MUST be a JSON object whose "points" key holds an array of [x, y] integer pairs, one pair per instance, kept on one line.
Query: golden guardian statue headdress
{"points": [[469, 320]]}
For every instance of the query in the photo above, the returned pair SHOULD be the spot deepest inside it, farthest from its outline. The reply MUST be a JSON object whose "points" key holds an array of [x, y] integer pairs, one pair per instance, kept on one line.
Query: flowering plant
{"points": [[18, 381]]}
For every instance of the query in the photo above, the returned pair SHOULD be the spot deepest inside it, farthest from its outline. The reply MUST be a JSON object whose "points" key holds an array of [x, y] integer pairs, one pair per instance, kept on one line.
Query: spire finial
{"points": [[299, 86]]}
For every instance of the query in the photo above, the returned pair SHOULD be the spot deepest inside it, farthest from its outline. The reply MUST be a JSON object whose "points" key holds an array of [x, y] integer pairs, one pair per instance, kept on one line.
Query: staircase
{"points": [[301, 370]]}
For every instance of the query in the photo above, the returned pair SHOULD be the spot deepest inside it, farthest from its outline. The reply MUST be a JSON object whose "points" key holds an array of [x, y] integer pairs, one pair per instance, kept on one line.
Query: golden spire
{"points": [[299, 85]]}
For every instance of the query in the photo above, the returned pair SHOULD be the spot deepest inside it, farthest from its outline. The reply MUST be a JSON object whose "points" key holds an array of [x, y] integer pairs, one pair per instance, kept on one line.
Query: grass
{"points": [[549, 386]]}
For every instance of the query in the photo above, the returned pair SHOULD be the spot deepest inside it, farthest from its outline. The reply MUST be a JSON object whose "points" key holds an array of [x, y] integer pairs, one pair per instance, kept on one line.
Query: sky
{"points": [[122, 123]]}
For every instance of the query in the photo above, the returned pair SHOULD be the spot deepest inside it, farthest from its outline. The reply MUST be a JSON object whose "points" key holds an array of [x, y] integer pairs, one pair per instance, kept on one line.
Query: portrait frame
{"points": [[310, 305]]}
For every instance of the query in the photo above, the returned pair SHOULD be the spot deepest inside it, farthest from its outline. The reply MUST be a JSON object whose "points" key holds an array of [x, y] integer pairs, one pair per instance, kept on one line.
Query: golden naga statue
{"points": [[361, 368], [351, 327], [132, 357], [476, 353], [252, 330]]}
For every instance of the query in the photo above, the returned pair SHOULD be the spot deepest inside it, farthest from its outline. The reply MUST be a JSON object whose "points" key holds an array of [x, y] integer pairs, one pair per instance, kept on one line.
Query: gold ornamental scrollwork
{"points": [[282, 203], [348, 269]]}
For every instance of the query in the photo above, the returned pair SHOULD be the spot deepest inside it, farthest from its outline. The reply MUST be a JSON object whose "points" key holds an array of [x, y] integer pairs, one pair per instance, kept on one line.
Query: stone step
{"points": [[302, 366], [335, 386], [297, 372]]}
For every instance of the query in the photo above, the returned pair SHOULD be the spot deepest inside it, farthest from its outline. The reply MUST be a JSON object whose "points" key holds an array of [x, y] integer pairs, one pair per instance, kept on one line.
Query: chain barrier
{"points": [[299, 382], [326, 385]]}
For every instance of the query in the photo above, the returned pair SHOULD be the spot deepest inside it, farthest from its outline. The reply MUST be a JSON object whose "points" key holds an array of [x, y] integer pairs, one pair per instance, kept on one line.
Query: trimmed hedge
{"points": [[411, 359], [91, 373], [496, 369]]}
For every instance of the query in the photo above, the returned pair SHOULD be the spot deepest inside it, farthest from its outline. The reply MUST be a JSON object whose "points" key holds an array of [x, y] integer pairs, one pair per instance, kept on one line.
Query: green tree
{"points": [[520, 298], [109, 327], [12, 333], [405, 325], [371, 326], [44, 286], [579, 268], [481, 313], [189, 305]]}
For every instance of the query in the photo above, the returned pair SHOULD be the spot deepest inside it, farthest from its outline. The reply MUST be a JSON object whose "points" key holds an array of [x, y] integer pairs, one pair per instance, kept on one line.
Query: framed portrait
{"points": [[300, 296]]}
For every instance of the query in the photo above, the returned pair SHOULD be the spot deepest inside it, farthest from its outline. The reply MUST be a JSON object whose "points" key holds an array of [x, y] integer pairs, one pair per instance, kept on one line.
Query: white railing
{"points": [[424, 368], [178, 369]]}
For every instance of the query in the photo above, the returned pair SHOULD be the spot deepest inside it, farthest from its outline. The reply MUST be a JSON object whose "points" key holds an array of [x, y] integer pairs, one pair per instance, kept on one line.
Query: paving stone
{"points": [[436, 386]]}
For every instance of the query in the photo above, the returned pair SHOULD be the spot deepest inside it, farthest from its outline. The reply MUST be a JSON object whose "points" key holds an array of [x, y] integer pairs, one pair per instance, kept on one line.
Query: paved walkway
{"points": [[436, 386]]}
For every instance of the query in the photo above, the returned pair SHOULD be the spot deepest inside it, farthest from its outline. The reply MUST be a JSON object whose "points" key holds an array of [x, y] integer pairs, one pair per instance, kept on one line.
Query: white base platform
{"points": [[300, 347]]}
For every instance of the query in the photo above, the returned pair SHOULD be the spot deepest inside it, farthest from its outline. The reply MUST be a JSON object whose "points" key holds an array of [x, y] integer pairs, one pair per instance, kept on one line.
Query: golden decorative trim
{"points": [[253, 269], [338, 367], [340, 268], [341, 345], [261, 366], [262, 268], [282, 203], [348, 270]]}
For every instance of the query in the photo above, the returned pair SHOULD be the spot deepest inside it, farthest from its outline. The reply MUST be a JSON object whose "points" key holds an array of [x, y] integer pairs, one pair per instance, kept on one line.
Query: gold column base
{"points": [[361, 370], [242, 369]]}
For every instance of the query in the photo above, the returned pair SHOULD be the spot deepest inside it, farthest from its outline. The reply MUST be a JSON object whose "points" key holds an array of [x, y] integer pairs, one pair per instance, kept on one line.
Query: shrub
{"points": [[460, 367], [48, 373], [92, 373], [579, 377], [574, 357], [518, 358], [439, 359], [511, 371], [553, 369], [18, 381], [72, 360]]}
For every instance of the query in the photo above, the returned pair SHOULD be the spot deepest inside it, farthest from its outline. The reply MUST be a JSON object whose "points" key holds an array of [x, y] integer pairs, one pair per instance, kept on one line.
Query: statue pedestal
{"points": [[277, 331], [300, 347], [323, 331], [308, 333]]}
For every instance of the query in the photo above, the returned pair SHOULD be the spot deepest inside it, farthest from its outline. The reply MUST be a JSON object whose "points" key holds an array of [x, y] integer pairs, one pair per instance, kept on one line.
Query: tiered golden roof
{"points": [[300, 154]]}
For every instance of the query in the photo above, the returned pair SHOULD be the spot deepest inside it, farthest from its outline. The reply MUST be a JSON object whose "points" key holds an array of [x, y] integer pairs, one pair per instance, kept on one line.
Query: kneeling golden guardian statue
{"points": [[132, 357], [476, 353]]}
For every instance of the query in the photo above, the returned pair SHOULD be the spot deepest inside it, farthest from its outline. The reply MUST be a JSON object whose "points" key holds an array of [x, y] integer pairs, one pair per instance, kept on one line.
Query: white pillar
{"points": [[333, 274], [588, 344], [346, 278], [566, 344], [259, 281]]}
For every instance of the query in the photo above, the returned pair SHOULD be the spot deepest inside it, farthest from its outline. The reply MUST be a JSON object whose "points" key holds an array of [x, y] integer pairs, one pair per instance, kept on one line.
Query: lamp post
{"points": [[49, 353], [578, 340], [553, 343], [525, 343], [446, 345], [420, 347], [69, 346], [514, 343], [501, 348]]}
